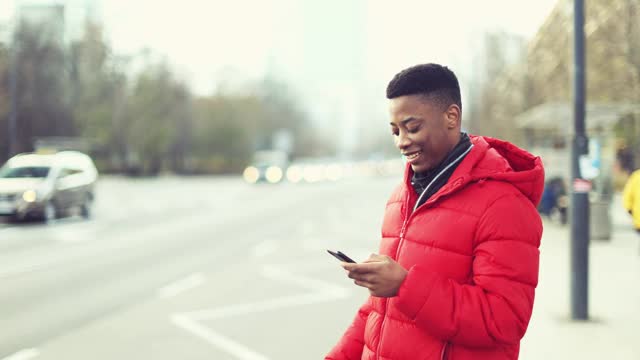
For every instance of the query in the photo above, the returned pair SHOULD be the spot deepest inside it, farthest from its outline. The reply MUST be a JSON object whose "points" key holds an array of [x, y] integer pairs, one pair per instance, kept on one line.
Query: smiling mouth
{"points": [[414, 156]]}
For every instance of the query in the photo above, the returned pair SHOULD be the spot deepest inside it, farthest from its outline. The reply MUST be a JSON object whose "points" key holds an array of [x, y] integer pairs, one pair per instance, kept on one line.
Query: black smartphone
{"points": [[340, 256]]}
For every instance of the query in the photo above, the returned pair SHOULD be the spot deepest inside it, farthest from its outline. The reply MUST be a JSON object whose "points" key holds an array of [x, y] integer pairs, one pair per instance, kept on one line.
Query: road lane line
{"points": [[316, 291], [23, 355], [180, 286], [279, 273], [262, 306], [231, 347]]}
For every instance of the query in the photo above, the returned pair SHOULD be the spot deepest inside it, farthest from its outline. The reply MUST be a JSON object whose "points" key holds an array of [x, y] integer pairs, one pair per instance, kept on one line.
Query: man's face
{"points": [[423, 132]]}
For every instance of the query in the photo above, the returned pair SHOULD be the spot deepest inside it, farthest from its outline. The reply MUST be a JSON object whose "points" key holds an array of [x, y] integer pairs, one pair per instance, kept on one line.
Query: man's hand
{"points": [[379, 273]]}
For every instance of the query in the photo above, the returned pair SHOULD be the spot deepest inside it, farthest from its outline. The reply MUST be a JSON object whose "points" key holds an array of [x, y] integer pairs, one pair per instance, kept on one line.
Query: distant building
{"points": [[63, 20], [496, 53], [49, 18]]}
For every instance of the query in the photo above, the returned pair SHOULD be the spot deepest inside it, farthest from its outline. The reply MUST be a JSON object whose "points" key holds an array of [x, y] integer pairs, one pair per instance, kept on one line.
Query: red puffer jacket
{"points": [[472, 255]]}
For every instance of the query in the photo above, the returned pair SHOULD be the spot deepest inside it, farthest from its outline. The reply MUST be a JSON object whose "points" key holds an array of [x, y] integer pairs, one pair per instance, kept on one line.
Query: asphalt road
{"points": [[189, 268]]}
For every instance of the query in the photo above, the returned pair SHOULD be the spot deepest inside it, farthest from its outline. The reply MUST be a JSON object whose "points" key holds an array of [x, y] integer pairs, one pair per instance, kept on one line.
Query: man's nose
{"points": [[402, 141]]}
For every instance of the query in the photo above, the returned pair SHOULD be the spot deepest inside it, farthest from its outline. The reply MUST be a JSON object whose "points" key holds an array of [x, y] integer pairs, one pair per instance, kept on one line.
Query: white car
{"points": [[47, 186]]}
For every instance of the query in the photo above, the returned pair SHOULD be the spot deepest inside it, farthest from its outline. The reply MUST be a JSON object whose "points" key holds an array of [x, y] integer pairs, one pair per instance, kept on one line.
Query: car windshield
{"points": [[24, 172]]}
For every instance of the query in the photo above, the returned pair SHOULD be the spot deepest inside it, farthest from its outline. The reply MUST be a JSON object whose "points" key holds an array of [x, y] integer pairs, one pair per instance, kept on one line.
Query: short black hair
{"points": [[434, 81]]}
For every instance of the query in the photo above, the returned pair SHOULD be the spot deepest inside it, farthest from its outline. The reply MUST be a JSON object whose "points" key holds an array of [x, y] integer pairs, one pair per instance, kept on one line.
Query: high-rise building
{"points": [[49, 18], [62, 20]]}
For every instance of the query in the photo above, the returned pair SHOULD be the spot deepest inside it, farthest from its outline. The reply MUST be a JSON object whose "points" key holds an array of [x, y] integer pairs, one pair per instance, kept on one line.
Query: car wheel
{"points": [[50, 213], [85, 208]]}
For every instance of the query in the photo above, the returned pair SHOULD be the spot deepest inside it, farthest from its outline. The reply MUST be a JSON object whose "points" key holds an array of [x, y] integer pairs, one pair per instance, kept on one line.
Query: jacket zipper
{"points": [[454, 162], [404, 228], [445, 352], [407, 214]]}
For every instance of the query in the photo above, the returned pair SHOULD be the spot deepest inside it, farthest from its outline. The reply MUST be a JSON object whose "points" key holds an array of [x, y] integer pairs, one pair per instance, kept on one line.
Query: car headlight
{"points": [[251, 174], [294, 174], [274, 174], [29, 196]]}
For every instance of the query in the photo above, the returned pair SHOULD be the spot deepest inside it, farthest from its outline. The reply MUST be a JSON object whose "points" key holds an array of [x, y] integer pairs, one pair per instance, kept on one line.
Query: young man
{"points": [[458, 262]]}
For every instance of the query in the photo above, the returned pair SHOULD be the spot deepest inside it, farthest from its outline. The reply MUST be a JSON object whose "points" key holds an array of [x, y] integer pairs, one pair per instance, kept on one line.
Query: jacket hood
{"points": [[499, 160], [502, 161]]}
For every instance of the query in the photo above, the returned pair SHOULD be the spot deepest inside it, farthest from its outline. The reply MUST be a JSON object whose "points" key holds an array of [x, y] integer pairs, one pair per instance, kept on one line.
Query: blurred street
{"points": [[125, 284], [214, 268]]}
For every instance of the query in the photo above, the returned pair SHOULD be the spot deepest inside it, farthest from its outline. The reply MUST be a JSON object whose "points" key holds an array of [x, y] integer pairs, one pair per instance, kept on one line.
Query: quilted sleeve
{"points": [[351, 345], [496, 307]]}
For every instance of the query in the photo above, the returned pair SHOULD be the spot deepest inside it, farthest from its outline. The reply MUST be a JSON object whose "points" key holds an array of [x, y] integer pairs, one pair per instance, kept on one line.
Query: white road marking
{"points": [[262, 306], [279, 273], [232, 347], [317, 291], [180, 286], [23, 355]]}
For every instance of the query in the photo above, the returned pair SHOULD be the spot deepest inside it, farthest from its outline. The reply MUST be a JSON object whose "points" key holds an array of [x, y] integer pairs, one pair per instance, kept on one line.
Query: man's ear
{"points": [[453, 114]]}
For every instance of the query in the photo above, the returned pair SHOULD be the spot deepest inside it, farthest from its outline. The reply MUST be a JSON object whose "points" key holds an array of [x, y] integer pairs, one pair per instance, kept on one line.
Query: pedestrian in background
{"points": [[458, 263], [554, 199], [630, 198]]}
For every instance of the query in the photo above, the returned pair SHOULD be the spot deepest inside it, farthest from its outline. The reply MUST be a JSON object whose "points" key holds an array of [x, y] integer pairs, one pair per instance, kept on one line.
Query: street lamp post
{"points": [[13, 96], [12, 131], [580, 186]]}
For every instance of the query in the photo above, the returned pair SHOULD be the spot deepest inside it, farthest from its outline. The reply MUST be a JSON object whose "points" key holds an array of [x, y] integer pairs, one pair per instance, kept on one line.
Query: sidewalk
{"points": [[614, 297]]}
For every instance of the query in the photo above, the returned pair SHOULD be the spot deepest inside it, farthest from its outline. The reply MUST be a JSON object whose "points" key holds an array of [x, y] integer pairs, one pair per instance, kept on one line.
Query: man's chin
{"points": [[419, 168]]}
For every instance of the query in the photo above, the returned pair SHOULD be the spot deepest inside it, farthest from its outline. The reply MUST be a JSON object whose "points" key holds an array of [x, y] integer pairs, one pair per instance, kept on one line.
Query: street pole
{"points": [[13, 98], [12, 131], [580, 187]]}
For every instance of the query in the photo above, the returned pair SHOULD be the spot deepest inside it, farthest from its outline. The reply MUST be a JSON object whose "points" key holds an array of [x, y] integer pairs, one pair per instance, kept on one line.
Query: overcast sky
{"points": [[205, 38]]}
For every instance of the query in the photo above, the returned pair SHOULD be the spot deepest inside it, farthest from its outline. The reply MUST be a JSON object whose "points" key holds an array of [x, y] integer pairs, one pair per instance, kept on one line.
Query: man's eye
{"points": [[394, 132], [413, 130]]}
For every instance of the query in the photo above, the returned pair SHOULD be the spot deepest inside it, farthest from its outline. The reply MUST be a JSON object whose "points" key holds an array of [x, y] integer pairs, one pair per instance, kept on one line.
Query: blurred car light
{"points": [[29, 196], [251, 174], [294, 174], [273, 174]]}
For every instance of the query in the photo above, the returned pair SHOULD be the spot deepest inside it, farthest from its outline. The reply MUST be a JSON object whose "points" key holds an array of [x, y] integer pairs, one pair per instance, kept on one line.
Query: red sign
{"points": [[581, 185]]}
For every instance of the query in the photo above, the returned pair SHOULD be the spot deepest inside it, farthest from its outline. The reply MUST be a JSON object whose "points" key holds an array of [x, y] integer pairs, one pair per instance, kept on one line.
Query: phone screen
{"points": [[340, 256]]}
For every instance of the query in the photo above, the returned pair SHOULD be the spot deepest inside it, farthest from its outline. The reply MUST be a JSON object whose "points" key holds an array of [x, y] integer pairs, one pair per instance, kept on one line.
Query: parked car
{"points": [[47, 186]]}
